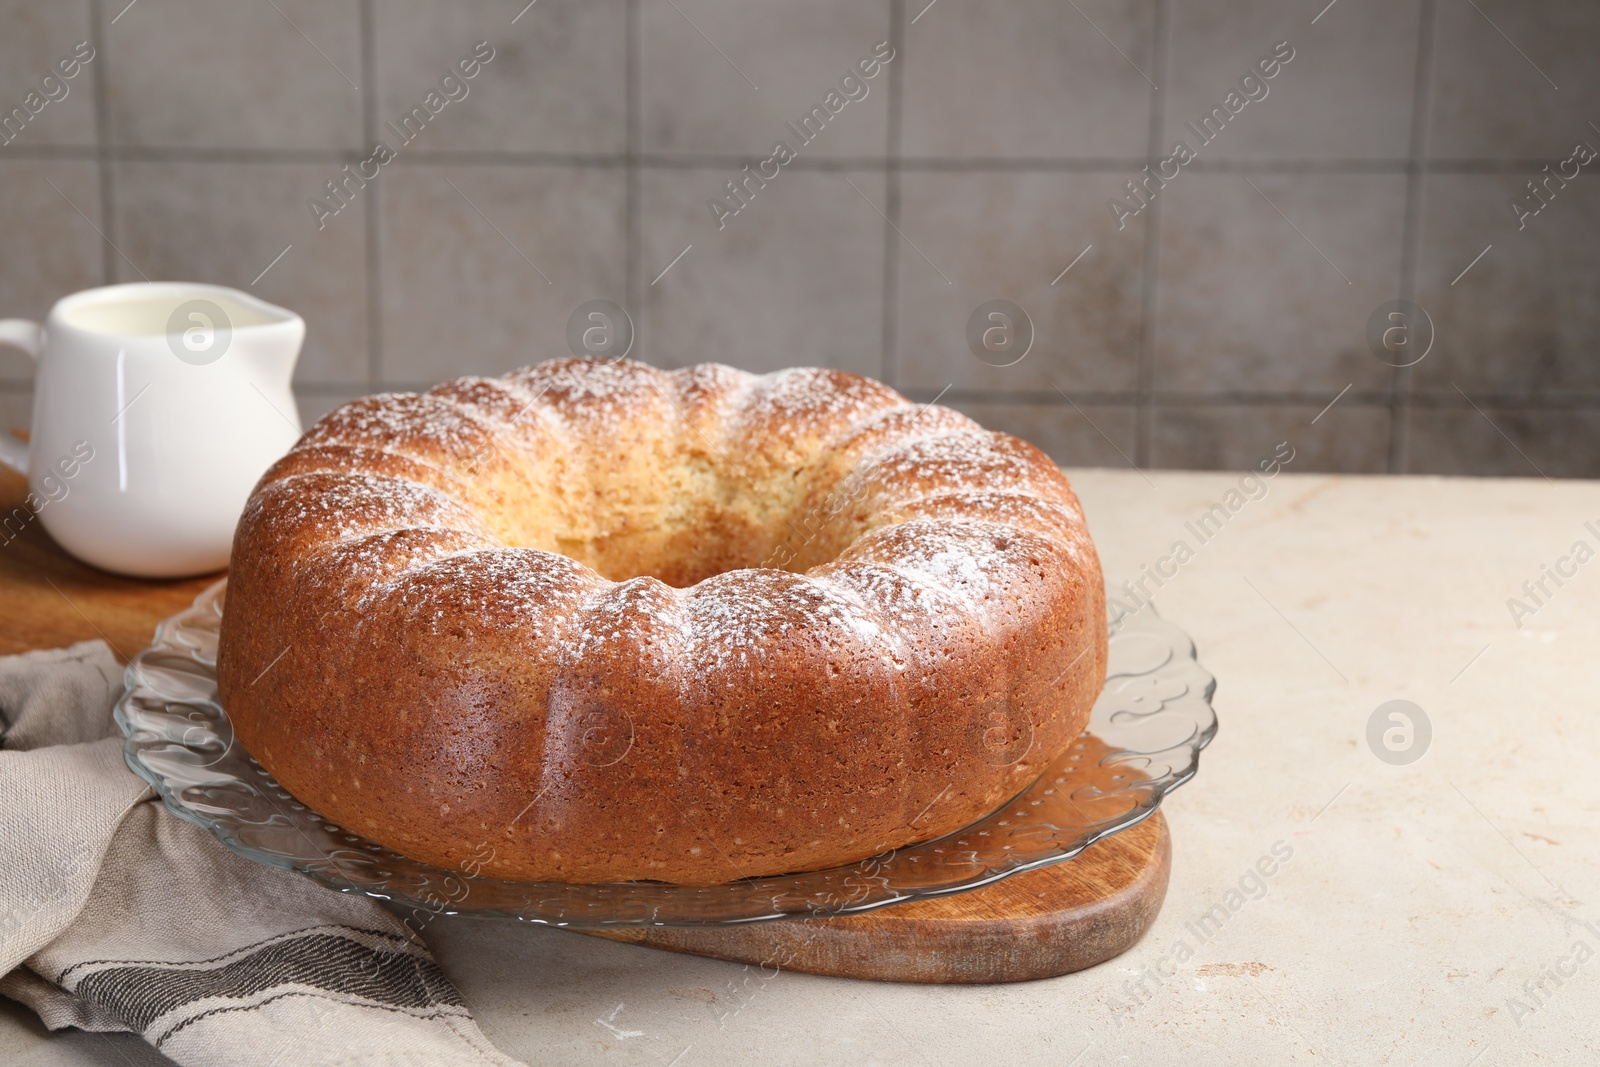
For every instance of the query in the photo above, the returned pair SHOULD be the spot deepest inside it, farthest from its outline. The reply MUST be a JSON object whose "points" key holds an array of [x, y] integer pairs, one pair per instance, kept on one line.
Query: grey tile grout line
{"points": [[1144, 413], [633, 143], [105, 171], [889, 283], [1411, 228], [373, 217], [719, 161]]}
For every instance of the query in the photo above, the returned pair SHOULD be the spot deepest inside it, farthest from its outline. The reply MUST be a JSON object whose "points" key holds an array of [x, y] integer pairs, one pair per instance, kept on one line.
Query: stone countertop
{"points": [[1440, 910]]}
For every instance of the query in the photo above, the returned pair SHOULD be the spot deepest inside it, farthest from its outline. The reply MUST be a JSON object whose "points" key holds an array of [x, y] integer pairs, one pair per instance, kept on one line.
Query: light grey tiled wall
{"points": [[1221, 319]]}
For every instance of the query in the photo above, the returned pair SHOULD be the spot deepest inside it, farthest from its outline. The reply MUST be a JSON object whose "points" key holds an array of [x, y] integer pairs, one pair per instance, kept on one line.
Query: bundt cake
{"points": [[592, 621]]}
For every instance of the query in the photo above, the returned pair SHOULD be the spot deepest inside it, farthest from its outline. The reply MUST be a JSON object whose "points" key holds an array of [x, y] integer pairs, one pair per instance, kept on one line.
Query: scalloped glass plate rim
{"points": [[169, 713]]}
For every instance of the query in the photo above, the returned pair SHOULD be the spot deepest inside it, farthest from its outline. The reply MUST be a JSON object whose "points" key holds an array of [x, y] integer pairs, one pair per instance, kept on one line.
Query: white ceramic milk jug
{"points": [[156, 407]]}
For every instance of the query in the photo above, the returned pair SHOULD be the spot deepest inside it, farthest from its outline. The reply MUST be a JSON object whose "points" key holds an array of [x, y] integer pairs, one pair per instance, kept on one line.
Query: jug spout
{"points": [[239, 337], [236, 333], [268, 352]]}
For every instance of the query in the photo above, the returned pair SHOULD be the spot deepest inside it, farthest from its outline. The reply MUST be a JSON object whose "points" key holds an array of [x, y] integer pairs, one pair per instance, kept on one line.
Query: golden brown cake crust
{"points": [[593, 621]]}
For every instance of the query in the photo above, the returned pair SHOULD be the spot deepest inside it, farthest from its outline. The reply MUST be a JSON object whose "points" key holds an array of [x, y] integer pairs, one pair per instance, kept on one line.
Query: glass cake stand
{"points": [[1144, 740]]}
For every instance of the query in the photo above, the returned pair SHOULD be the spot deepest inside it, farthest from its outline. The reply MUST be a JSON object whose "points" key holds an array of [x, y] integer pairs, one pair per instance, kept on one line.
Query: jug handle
{"points": [[18, 333]]}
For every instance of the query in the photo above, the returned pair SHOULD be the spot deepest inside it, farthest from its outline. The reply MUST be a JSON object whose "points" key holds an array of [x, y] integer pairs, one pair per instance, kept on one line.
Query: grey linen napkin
{"points": [[117, 915]]}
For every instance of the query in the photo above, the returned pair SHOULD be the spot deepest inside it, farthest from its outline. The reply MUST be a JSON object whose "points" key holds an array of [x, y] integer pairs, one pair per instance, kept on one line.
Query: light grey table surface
{"points": [[1430, 912]]}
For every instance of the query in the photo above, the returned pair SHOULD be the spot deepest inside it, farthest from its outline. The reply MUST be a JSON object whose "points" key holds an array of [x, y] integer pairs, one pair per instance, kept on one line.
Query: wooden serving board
{"points": [[1047, 922], [52, 600], [1040, 924]]}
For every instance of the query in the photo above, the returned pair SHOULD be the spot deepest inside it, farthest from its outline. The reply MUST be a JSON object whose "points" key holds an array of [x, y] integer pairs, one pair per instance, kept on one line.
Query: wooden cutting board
{"points": [[1035, 925], [52, 600]]}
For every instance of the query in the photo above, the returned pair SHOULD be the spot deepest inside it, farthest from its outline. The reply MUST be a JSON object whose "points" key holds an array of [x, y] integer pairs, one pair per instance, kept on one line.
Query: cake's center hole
{"points": [[683, 522]]}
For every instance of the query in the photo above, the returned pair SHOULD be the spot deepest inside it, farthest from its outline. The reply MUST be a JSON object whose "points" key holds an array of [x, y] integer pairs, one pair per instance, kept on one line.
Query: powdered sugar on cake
{"points": [[977, 483]]}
